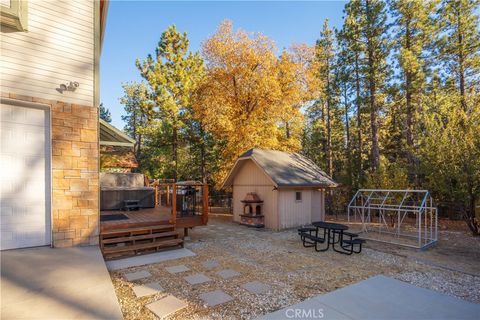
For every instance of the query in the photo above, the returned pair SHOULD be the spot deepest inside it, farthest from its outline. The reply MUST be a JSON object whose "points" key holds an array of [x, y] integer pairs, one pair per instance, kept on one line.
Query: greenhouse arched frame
{"points": [[403, 217]]}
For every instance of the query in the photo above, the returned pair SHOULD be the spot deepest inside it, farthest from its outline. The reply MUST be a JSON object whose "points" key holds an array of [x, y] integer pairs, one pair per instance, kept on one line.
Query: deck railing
{"points": [[186, 199]]}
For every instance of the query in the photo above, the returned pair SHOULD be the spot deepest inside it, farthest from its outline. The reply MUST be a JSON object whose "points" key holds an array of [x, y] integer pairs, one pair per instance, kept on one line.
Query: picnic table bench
{"points": [[333, 234]]}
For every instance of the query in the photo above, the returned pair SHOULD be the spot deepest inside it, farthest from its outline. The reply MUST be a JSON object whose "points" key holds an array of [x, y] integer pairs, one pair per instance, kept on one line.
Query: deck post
{"points": [[174, 204], [156, 195], [205, 204], [168, 196]]}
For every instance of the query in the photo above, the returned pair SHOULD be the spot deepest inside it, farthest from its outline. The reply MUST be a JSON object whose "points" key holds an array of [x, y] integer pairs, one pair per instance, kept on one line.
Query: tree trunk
{"points": [[469, 213], [461, 63], [202, 156], [375, 152], [287, 130], [409, 115], [175, 150], [359, 123], [347, 131], [324, 140], [138, 147], [329, 126]]}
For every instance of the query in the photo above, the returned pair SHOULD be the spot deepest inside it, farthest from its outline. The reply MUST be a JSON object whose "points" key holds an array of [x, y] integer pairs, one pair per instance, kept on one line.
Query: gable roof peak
{"points": [[285, 169]]}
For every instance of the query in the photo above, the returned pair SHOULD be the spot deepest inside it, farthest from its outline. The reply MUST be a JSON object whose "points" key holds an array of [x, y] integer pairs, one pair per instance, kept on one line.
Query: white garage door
{"points": [[24, 176]]}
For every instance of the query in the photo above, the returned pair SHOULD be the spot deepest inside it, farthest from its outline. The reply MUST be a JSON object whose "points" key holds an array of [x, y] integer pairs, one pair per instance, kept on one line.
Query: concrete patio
{"points": [[46, 283], [380, 297]]}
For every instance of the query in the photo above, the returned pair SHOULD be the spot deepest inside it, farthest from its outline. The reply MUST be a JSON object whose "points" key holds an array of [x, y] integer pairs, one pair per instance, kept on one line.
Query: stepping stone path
{"points": [[228, 273], [210, 264], [214, 298], [177, 269], [256, 287], [147, 289], [166, 306], [197, 278], [137, 275]]}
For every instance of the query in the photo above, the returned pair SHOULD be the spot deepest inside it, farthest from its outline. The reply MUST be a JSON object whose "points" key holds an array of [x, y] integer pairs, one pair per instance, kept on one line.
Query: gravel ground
{"points": [[294, 273]]}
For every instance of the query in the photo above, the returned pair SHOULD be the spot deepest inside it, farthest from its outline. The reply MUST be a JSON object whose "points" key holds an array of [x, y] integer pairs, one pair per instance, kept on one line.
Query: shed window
{"points": [[298, 196]]}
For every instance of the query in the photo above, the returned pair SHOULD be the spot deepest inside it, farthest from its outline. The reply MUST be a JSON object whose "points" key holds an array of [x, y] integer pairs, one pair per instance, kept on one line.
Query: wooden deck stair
{"points": [[132, 241]]}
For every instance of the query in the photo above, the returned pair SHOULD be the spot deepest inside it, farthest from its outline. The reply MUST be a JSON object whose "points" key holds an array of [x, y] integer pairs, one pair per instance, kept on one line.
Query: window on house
{"points": [[298, 196], [14, 14]]}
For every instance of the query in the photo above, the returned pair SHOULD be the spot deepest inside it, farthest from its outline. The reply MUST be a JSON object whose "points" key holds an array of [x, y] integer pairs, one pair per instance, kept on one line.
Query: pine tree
{"points": [[352, 50], [105, 114], [345, 84], [325, 56], [414, 31], [139, 113], [375, 69], [460, 44], [173, 74]]}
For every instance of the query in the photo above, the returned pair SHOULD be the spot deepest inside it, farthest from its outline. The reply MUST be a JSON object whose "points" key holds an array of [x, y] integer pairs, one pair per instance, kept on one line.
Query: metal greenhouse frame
{"points": [[403, 217]]}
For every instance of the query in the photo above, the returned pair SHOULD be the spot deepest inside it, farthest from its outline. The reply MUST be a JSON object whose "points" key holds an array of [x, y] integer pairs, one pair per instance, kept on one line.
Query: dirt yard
{"points": [[295, 273]]}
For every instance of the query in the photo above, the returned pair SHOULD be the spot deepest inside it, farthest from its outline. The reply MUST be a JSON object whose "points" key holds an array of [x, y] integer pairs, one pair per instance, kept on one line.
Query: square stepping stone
{"points": [[197, 278], [256, 287], [132, 276], [210, 264], [177, 269], [147, 289], [166, 306], [214, 298], [228, 273]]}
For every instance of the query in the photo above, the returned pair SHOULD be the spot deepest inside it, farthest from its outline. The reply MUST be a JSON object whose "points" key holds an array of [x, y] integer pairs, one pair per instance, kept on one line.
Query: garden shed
{"points": [[277, 189]]}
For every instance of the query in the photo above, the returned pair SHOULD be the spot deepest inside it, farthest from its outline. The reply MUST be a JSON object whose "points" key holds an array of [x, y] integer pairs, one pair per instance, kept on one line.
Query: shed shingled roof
{"points": [[285, 169]]}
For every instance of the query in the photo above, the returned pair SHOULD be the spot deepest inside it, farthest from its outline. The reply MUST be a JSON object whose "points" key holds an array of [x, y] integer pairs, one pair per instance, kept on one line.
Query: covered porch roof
{"points": [[111, 136]]}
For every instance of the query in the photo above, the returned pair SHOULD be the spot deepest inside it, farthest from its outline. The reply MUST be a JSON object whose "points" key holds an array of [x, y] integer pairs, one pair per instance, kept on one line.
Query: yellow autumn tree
{"points": [[250, 97]]}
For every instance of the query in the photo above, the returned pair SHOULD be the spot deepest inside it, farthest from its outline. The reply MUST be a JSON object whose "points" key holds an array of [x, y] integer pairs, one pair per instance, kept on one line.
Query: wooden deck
{"points": [[160, 215]]}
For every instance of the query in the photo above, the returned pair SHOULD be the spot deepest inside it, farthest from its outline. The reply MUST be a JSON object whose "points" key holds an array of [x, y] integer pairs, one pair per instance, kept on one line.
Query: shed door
{"points": [[317, 206], [25, 177]]}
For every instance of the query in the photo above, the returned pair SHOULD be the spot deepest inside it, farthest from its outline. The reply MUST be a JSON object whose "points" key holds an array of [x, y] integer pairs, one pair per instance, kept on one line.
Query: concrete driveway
{"points": [[60, 283], [380, 298]]}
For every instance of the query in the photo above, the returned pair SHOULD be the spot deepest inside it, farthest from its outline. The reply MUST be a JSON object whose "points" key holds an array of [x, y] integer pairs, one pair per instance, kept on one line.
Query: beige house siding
{"points": [[75, 191], [250, 178], [61, 45], [58, 48]]}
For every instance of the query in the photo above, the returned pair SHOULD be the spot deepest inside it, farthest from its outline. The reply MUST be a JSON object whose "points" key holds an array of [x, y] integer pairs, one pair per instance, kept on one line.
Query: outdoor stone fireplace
{"points": [[252, 211]]}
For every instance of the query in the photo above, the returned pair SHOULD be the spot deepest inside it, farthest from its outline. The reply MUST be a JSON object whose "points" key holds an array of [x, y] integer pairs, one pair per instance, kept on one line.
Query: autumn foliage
{"points": [[389, 100], [250, 97]]}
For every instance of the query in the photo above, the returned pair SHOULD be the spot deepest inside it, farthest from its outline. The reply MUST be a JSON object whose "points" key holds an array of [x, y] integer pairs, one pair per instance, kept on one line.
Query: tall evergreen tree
{"points": [[352, 49], [325, 55], [139, 113], [413, 32], [173, 74], [460, 44], [345, 83], [375, 69]]}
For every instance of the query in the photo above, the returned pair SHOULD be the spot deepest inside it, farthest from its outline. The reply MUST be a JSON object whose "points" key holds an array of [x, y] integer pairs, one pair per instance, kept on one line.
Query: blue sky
{"points": [[134, 28]]}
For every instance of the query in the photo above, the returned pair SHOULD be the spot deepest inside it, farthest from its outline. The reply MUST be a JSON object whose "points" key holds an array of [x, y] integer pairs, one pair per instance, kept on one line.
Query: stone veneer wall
{"points": [[75, 167]]}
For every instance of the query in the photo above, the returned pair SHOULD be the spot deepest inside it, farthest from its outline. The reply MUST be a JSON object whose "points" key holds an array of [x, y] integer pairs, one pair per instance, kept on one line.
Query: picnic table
{"points": [[334, 234]]}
